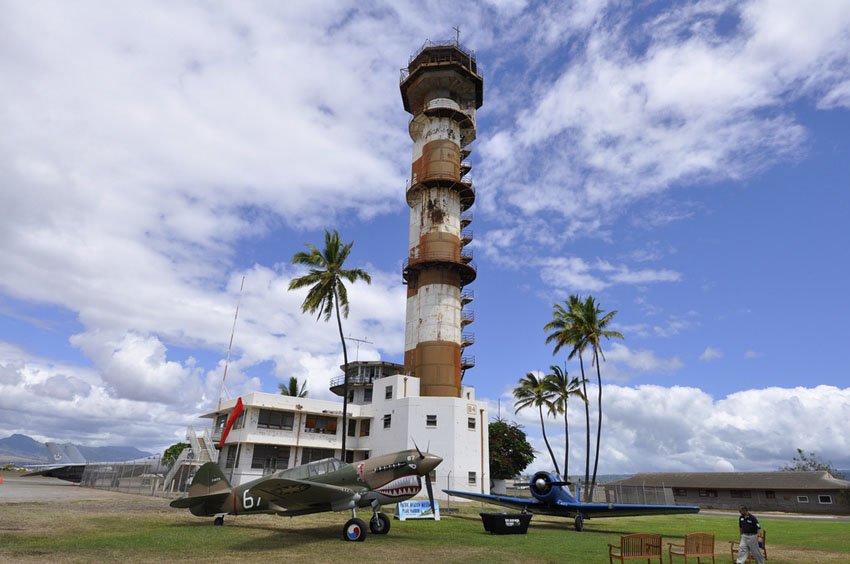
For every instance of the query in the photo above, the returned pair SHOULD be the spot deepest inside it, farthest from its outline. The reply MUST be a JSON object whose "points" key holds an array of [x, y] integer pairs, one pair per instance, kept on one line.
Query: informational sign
{"points": [[417, 509]]}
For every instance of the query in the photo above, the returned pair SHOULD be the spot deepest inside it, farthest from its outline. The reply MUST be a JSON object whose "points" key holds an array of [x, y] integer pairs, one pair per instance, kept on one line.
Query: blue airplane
{"points": [[552, 497]]}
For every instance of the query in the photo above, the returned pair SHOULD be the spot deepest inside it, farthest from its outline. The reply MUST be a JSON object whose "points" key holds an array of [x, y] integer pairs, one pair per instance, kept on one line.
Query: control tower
{"points": [[441, 88]]}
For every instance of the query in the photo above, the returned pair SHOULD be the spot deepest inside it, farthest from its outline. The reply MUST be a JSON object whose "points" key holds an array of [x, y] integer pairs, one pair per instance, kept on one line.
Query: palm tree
{"points": [[565, 332], [292, 388], [563, 389], [328, 294], [532, 391], [593, 329]]}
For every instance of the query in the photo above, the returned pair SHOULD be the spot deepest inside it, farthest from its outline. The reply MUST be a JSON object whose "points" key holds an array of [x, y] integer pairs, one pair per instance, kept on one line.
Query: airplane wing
{"points": [[571, 509], [70, 472], [521, 503], [590, 510], [303, 496]]}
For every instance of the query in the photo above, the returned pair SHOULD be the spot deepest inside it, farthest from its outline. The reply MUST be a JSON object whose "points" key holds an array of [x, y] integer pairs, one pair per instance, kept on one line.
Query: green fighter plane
{"points": [[323, 485]]}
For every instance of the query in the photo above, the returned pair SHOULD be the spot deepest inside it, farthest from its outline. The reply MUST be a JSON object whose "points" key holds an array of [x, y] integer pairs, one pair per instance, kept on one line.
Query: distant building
{"points": [[796, 492], [386, 414]]}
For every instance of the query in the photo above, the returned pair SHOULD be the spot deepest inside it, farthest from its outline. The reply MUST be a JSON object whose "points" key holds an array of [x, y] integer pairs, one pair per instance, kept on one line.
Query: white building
{"points": [[386, 414]]}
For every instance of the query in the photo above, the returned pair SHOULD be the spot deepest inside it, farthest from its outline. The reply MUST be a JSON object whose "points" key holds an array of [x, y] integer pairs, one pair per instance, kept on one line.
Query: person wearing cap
{"points": [[749, 526]]}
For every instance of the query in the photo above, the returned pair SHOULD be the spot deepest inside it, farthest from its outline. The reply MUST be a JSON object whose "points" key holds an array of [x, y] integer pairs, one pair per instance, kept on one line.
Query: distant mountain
{"points": [[21, 449]]}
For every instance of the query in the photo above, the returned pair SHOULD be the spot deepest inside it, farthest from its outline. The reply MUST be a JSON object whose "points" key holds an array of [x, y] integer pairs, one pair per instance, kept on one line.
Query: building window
{"points": [[680, 492], [708, 493], [270, 458], [352, 428], [350, 395], [388, 392], [232, 458], [430, 420], [741, 494], [313, 454], [220, 422], [770, 494], [470, 423], [367, 395], [240, 421], [275, 420], [826, 499], [388, 421], [320, 424], [802, 499], [473, 479], [365, 427]]}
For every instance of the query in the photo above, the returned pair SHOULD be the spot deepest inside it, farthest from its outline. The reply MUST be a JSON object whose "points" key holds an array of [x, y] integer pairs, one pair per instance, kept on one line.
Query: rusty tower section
{"points": [[441, 88]]}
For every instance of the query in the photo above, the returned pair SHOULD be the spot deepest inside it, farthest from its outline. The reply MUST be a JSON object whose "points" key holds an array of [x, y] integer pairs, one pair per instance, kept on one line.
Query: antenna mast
{"points": [[358, 341], [222, 389]]}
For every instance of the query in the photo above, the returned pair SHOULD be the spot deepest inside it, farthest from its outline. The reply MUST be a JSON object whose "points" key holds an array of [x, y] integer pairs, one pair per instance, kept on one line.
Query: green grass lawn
{"points": [[146, 529]]}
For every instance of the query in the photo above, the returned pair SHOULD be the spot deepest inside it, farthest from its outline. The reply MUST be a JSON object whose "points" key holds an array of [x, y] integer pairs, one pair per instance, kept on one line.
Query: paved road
{"points": [[39, 488]]}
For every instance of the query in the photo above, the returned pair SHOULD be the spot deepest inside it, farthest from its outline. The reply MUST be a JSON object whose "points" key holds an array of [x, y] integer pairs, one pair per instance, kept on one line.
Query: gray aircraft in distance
{"points": [[66, 463]]}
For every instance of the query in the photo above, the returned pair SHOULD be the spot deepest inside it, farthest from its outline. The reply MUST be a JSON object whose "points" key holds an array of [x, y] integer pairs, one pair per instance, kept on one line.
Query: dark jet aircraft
{"points": [[551, 497], [67, 463], [323, 485]]}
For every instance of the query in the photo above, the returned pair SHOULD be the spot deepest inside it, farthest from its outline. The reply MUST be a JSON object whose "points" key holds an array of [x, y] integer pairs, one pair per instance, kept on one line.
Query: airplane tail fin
{"points": [[57, 454], [208, 491], [209, 479], [74, 454]]}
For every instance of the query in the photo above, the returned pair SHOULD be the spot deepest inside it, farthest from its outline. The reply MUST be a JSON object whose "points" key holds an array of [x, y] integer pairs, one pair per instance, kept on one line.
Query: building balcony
{"points": [[467, 316], [466, 297], [467, 362], [338, 383], [465, 219], [462, 263], [464, 188]]}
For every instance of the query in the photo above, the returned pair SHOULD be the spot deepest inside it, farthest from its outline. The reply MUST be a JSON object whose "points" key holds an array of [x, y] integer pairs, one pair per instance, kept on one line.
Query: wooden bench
{"points": [[697, 545], [735, 548], [641, 546]]}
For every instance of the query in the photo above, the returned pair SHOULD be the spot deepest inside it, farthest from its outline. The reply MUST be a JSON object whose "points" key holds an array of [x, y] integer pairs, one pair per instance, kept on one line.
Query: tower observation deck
{"points": [[442, 89]]}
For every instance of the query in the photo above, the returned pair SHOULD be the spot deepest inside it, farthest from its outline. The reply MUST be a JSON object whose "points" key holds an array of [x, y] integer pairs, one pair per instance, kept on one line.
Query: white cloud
{"points": [[710, 354], [574, 274], [699, 94], [655, 428], [753, 354]]}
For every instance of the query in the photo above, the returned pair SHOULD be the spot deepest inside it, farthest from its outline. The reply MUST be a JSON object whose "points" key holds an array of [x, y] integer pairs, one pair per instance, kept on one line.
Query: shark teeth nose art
{"points": [[404, 486]]}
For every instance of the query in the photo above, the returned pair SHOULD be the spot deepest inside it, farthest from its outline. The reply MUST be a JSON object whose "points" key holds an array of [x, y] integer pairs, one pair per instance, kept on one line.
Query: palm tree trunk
{"points": [[599, 424], [545, 440], [344, 378], [586, 426], [567, 445]]}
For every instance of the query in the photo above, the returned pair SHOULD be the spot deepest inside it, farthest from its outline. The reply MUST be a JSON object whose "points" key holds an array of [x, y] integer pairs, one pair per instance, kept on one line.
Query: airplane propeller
{"points": [[428, 485]]}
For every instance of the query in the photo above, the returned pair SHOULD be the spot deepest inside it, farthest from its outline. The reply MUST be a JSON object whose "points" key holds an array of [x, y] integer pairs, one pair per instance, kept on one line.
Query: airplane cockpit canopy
{"points": [[311, 469]]}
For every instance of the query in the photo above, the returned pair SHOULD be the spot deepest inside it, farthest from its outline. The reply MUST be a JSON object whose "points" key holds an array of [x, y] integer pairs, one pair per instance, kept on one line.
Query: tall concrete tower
{"points": [[441, 88]]}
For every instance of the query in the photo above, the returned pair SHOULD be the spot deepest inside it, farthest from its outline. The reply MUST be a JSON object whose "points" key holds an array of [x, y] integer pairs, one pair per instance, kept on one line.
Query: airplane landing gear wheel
{"points": [[379, 524], [579, 523], [219, 521], [354, 530]]}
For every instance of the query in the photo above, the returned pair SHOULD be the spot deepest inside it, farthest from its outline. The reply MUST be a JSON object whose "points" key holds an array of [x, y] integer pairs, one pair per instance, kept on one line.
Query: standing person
{"points": [[749, 526]]}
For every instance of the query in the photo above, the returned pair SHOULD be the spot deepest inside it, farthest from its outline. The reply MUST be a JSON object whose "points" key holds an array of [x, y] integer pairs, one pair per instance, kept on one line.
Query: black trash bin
{"points": [[506, 523]]}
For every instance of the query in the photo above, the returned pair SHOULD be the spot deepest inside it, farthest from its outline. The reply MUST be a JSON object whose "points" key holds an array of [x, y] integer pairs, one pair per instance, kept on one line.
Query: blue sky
{"points": [[686, 164]]}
